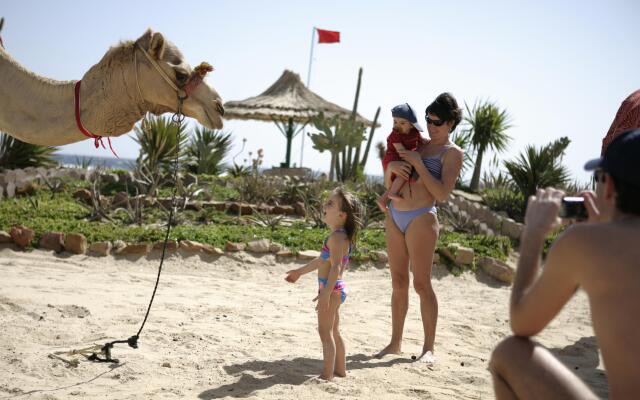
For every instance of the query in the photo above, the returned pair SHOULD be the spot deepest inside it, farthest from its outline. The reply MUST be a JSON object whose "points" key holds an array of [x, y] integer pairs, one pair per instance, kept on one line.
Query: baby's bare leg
{"points": [[396, 186]]}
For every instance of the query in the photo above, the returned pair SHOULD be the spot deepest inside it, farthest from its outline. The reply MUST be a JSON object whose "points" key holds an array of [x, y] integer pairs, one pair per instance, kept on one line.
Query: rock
{"points": [[189, 245], [120, 199], [217, 251], [242, 208], [118, 245], [258, 246], [216, 205], [468, 196], [172, 245], [457, 253], [230, 246], [1, 192], [75, 243], [5, 237], [189, 179], [380, 256], [82, 195], [26, 187], [22, 235], [11, 190], [284, 253], [52, 241], [193, 206], [283, 210], [300, 209], [100, 248], [275, 248], [436, 258], [166, 365], [138, 249], [308, 254], [497, 269]]}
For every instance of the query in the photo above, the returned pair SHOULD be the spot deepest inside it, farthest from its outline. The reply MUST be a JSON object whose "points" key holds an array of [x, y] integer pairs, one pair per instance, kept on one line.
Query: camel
{"points": [[114, 94]]}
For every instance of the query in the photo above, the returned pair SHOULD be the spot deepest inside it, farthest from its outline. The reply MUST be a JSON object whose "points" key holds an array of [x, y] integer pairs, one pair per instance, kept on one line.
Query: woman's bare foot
{"points": [[382, 204], [326, 378], [390, 349], [340, 374], [427, 357]]}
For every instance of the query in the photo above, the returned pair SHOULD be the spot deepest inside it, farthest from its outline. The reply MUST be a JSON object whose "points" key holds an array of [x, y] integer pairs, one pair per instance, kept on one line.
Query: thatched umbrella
{"points": [[289, 104]]}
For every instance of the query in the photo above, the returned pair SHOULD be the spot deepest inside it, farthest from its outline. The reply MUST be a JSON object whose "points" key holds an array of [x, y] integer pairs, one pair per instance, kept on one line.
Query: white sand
{"points": [[232, 327]]}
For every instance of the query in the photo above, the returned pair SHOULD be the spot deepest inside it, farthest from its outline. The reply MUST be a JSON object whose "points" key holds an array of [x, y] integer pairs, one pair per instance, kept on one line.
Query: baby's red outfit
{"points": [[410, 141]]}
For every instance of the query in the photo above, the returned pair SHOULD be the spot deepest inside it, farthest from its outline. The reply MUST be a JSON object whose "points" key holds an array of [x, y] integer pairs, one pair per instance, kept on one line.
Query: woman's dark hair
{"points": [[628, 197], [352, 206], [446, 108]]}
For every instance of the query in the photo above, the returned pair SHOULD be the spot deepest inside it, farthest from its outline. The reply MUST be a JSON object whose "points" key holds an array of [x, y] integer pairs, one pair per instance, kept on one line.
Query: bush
{"points": [[505, 199]]}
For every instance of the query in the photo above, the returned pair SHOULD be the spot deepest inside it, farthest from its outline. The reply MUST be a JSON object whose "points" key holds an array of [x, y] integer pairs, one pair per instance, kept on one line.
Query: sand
{"points": [[231, 327]]}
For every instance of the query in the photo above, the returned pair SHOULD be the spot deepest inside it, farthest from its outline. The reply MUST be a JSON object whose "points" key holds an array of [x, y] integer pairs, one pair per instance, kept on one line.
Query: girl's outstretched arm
{"points": [[295, 274]]}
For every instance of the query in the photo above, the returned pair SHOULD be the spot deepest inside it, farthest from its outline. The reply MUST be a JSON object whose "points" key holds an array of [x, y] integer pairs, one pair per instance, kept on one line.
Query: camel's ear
{"points": [[153, 42], [156, 47], [1, 23]]}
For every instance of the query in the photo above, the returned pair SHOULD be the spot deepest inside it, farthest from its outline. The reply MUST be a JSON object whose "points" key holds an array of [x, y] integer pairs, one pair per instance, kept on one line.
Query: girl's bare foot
{"points": [[326, 378], [340, 374], [390, 349]]}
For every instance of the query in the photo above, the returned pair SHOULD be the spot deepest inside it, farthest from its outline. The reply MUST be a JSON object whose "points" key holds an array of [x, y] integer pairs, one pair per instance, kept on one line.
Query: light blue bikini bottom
{"points": [[402, 219]]}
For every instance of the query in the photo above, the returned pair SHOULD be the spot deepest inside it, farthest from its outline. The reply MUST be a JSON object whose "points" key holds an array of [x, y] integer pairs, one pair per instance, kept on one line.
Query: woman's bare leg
{"points": [[399, 265], [421, 238]]}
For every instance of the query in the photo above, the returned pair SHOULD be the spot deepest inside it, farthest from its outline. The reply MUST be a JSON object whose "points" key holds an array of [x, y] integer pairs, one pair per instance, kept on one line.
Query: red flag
{"points": [[325, 36]]}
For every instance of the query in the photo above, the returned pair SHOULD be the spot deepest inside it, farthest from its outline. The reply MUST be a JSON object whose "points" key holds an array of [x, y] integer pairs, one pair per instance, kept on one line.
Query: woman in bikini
{"points": [[412, 222]]}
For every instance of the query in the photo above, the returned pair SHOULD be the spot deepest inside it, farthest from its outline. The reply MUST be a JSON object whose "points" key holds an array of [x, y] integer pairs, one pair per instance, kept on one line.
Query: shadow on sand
{"points": [[284, 372]]}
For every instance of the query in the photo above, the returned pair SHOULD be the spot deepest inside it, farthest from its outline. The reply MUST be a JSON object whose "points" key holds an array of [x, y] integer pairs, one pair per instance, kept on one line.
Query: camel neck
{"points": [[41, 111]]}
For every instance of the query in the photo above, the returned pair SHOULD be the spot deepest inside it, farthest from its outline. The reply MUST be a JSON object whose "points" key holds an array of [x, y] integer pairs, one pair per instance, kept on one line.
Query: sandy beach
{"points": [[231, 327]]}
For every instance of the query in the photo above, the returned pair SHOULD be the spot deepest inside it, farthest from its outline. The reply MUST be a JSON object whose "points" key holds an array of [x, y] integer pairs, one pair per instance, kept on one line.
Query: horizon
{"points": [[549, 64]]}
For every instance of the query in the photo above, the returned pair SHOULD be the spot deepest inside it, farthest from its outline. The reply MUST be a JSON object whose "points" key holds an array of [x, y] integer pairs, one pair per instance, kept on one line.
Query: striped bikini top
{"points": [[434, 163], [324, 253]]}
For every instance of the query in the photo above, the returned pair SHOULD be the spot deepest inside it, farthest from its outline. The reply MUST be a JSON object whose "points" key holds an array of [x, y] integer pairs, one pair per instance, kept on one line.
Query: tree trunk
{"points": [[475, 179], [287, 162], [371, 131], [332, 167]]}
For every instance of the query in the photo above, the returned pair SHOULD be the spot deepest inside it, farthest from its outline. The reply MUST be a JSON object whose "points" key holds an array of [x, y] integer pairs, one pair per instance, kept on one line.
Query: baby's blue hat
{"points": [[405, 111]]}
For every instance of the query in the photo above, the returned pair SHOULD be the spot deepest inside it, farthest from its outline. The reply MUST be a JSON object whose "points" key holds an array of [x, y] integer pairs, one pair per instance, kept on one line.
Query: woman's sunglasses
{"points": [[436, 122]]}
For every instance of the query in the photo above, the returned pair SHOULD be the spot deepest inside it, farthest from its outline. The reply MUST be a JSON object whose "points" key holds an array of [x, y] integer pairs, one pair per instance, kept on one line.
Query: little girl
{"points": [[342, 213]]}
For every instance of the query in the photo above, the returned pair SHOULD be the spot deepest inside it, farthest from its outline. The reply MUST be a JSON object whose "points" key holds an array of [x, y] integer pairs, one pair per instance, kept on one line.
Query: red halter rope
{"points": [[97, 139]]}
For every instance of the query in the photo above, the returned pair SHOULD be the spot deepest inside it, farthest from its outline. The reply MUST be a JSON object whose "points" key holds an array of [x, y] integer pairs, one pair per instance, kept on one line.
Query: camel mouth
{"points": [[215, 120]]}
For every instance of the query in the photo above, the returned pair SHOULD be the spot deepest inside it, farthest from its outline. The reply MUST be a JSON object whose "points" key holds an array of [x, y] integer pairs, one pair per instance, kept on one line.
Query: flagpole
{"points": [[313, 36]]}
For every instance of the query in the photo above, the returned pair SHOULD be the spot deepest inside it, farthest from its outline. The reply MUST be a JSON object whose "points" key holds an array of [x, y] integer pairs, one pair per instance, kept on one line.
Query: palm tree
{"points": [[487, 125], [16, 154], [462, 139], [539, 168], [207, 149], [159, 140]]}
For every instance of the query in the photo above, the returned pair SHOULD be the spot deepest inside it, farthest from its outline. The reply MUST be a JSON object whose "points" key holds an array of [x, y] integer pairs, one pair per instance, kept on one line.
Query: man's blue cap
{"points": [[621, 159], [405, 111]]}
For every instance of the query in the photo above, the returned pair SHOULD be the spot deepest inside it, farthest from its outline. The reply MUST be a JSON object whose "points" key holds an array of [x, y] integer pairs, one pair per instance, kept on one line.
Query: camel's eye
{"points": [[181, 76]]}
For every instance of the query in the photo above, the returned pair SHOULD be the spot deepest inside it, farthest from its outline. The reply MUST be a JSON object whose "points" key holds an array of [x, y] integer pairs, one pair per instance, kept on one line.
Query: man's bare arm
{"points": [[537, 296]]}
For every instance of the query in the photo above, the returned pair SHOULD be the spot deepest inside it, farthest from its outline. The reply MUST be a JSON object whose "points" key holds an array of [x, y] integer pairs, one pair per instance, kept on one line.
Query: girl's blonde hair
{"points": [[351, 205]]}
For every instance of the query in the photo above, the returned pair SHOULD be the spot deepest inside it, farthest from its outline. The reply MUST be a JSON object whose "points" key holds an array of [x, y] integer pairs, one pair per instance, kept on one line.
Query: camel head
{"points": [[203, 103]]}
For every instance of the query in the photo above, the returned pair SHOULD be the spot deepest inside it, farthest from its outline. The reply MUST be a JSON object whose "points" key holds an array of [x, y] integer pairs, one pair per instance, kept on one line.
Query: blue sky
{"points": [[560, 68]]}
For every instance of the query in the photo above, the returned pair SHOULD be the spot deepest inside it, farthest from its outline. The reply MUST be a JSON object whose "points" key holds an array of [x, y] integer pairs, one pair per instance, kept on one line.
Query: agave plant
{"points": [[487, 126], [159, 140], [462, 138], [16, 154], [539, 167], [238, 170], [206, 151]]}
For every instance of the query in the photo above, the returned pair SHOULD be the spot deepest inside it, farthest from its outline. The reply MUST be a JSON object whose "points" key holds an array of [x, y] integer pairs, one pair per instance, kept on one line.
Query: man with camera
{"points": [[603, 258]]}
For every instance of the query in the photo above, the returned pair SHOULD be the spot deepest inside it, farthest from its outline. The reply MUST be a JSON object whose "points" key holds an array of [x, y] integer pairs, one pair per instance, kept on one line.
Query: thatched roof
{"points": [[287, 98]]}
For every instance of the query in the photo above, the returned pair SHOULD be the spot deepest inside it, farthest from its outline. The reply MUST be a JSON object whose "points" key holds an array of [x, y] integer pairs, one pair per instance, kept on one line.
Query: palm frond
{"points": [[17, 154]]}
